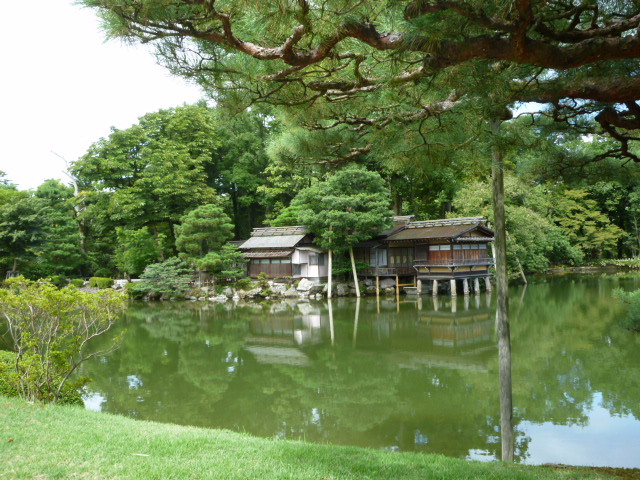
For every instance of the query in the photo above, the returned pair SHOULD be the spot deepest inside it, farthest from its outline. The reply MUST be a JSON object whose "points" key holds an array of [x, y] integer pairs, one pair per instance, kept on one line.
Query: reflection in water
{"points": [[424, 378]]}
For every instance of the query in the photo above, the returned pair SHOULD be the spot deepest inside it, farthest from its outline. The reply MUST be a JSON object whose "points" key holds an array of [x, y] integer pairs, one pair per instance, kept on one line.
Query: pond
{"points": [[420, 375]]}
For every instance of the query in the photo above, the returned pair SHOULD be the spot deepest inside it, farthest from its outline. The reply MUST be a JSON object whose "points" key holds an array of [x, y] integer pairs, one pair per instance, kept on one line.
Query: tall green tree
{"points": [[202, 234], [150, 174], [350, 206], [61, 252], [135, 250], [21, 228]]}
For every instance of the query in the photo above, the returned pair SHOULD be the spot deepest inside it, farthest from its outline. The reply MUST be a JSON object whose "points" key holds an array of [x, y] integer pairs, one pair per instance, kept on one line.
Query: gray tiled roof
{"points": [[277, 241], [279, 231]]}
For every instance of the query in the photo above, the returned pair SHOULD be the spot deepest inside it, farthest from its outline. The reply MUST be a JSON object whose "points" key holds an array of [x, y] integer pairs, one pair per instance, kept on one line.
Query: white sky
{"points": [[62, 87]]}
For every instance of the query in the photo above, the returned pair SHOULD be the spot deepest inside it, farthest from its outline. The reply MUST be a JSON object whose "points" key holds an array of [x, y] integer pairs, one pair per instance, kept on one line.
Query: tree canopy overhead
{"points": [[417, 59]]}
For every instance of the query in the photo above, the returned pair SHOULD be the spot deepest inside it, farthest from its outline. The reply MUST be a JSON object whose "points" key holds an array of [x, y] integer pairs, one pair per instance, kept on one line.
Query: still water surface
{"points": [[419, 376]]}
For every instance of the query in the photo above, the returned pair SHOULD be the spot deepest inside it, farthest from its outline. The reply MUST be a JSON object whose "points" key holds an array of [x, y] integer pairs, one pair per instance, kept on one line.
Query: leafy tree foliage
{"points": [[51, 329], [171, 278], [348, 207], [546, 224], [152, 173], [21, 228], [226, 263], [136, 249], [202, 232], [61, 251]]}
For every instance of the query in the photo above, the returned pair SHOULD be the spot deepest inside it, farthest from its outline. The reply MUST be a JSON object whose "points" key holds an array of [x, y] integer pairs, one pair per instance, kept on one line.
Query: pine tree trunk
{"points": [[355, 273], [502, 314]]}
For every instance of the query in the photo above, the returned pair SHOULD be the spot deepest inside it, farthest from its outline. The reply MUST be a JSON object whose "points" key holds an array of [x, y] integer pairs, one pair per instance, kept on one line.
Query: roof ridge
{"points": [[278, 231], [447, 222]]}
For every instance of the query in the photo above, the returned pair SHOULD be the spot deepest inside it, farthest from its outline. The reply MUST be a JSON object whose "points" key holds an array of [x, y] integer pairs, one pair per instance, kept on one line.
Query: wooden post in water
{"points": [[355, 323], [465, 286], [487, 284], [419, 286], [377, 286], [434, 292], [454, 290], [397, 287], [331, 330], [476, 285]]}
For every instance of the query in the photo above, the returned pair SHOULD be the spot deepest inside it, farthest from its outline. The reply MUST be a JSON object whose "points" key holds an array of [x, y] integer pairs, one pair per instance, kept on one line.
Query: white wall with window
{"points": [[310, 263]]}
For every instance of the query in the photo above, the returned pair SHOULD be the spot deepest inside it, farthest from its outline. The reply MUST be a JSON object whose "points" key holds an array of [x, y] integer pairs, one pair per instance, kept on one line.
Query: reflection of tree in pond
{"points": [[144, 377], [618, 350], [550, 380], [353, 390], [213, 358]]}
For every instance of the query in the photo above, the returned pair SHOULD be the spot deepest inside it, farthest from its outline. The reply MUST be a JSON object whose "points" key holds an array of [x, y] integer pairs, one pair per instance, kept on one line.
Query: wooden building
{"points": [[435, 250], [284, 252]]}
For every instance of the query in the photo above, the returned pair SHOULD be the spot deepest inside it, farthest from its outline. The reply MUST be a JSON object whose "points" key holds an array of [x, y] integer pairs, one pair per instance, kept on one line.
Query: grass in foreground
{"points": [[38, 441]]}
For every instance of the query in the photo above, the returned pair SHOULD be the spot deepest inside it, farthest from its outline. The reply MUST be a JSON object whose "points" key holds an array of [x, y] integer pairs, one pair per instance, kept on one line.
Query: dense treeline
{"points": [[133, 190]]}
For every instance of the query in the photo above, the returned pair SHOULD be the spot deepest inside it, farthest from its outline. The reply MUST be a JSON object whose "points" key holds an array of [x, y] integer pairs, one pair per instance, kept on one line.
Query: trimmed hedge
{"points": [[100, 282], [76, 282]]}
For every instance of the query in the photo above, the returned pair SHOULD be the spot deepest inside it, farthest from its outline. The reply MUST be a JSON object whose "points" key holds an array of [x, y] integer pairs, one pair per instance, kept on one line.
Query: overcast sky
{"points": [[62, 87]]}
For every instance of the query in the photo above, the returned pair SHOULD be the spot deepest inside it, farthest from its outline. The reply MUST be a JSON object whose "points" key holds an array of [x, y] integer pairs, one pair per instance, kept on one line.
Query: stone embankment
{"points": [[304, 289]]}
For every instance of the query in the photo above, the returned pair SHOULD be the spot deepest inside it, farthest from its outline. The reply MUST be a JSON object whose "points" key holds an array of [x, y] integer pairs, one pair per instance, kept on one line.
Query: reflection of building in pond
{"points": [[276, 338], [459, 329], [462, 339]]}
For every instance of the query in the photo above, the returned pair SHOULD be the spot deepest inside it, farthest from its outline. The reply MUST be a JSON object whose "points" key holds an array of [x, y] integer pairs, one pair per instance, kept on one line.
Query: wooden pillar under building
{"points": [[419, 286], [487, 283], [397, 286], [377, 285], [476, 285], [435, 287], [454, 291], [465, 286]]}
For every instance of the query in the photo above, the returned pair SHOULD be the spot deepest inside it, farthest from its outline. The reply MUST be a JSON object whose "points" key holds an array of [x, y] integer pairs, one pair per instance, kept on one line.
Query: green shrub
{"points": [[102, 272], [244, 284], [100, 282], [58, 280], [50, 329], [171, 278], [76, 282], [135, 290], [8, 376], [70, 394], [632, 303]]}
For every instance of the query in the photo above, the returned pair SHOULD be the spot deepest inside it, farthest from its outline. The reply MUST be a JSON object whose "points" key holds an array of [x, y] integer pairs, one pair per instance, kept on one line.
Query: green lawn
{"points": [[42, 442]]}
